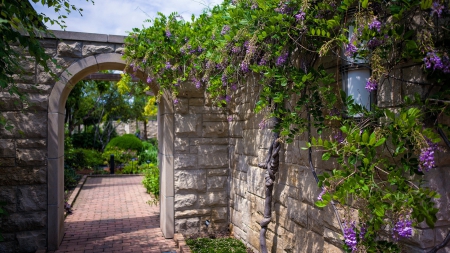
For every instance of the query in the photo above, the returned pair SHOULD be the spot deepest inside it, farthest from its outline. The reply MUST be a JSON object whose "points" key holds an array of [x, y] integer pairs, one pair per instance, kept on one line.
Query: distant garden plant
{"points": [[216, 245], [381, 155]]}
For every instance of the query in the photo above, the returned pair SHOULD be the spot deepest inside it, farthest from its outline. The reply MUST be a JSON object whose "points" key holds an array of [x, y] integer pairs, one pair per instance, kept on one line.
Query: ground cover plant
{"points": [[216, 245], [381, 154]]}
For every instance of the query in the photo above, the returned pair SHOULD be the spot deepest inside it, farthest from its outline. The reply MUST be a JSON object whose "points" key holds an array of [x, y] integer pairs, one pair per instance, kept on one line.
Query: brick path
{"points": [[111, 215]]}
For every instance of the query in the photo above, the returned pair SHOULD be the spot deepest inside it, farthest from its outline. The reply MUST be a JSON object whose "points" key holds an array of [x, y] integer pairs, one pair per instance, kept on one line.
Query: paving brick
{"points": [[111, 215]]}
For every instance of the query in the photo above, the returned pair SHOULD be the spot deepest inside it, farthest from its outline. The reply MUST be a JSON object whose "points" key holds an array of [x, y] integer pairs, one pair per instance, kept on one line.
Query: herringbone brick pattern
{"points": [[111, 215]]}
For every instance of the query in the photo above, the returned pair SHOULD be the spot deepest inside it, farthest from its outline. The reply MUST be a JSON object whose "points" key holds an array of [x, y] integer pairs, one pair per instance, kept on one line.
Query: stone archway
{"points": [[56, 113]]}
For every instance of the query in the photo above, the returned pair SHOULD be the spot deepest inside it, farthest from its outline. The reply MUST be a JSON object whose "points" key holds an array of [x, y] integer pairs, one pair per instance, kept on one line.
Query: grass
{"points": [[220, 245]]}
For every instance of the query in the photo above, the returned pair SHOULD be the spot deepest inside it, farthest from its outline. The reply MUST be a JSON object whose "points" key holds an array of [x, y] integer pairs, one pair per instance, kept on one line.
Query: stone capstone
{"points": [[69, 49], [92, 49]]}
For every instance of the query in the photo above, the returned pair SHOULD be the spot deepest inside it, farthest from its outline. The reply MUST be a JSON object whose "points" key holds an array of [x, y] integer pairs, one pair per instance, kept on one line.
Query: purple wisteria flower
{"points": [[233, 87], [254, 6], [235, 50], [144, 61], [225, 29], [350, 49], [168, 65], [262, 124], [374, 43], [283, 9], [168, 34], [244, 67], [322, 193], [224, 79], [197, 83], [228, 98], [175, 101], [371, 84], [339, 137], [362, 231], [281, 60], [300, 16], [375, 25], [437, 9], [230, 118], [434, 61], [149, 79], [350, 235], [403, 228], [426, 158], [262, 62]]}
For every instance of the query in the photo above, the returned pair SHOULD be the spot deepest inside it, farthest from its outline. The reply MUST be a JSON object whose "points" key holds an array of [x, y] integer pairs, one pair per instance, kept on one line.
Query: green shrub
{"points": [[127, 141], [131, 168], [80, 158], [151, 179], [121, 156], [220, 245], [148, 155]]}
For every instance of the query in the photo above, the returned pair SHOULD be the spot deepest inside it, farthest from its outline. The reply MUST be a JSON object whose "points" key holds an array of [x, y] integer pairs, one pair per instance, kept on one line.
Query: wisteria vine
{"points": [[381, 154]]}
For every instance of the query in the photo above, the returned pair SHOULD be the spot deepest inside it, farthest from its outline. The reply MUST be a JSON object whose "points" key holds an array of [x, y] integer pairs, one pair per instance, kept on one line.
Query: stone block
{"points": [[215, 129], [333, 237], [238, 187], [330, 248], [185, 200], [7, 148], [217, 172], [212, 117], [26, 125], [181, 145], [216, 182], [212, 199], [30, 143], [308, 241], [185, 161], [30, 241], [66, 49], [96, 48], [196, 101], [256, 181], [36, 102], [193, 213], [208, 141], [22, 176], [297, 212], [8, 194], [24, 221], [219, 214], [10, 102], [423, 238], [236, 129], [34, 88], [190, 180], [7, 162], [32, 198], [26, 157], [315, 219], [182, 107], [187, 124]]}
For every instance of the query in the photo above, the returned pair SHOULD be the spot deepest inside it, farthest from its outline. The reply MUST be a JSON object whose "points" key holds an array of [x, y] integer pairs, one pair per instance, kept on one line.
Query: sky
{"points": [[116, 17]]}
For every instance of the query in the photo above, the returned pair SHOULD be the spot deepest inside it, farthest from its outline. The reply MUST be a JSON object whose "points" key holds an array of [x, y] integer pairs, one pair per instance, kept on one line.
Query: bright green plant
{"points": [[126, 141], [149, 154], [132, 167], [381, 155], [121, 156], [218, 245], [151, 179]]}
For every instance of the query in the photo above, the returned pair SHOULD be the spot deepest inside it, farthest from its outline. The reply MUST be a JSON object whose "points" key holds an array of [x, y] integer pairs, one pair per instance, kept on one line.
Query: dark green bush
{"points": [[220, 245], [151, 179], [132, 168], [121, 156], [126, 141], [70, 178]]}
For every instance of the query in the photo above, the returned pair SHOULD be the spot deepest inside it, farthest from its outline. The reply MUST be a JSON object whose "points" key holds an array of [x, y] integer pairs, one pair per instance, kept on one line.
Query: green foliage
{"points": [[219, 245], [121, 156], [80, 158], [151, 179], [71, 178], [132, 167], [149, 153], [126, 141]]}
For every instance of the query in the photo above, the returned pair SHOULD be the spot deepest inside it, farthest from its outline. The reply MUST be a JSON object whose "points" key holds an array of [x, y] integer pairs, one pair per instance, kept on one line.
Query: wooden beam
{"points": [[107, 77]]}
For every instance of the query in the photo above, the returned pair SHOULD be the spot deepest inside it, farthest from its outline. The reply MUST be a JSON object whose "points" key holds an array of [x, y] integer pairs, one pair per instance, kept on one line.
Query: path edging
{"points": [[180, 242], [75, 192]]}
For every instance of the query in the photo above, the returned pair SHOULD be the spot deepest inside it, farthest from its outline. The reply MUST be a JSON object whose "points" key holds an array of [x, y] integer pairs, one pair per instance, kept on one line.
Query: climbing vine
{"points": [[382, 154]]}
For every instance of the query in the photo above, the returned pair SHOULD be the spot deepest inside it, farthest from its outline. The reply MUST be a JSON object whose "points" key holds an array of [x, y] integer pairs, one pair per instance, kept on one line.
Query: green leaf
{"points": [[321, 204], [365, 137], [326, 156], [344, 129], [380, 142], [379, 211], [365, 3]]}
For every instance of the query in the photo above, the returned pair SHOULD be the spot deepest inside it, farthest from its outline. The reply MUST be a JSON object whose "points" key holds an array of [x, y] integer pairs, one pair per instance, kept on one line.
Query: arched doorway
{"points": [[55, 153]]}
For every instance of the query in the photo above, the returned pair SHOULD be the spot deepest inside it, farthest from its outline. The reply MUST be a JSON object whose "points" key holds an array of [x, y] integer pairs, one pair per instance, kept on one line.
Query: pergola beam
{"points": [[107, 77]]}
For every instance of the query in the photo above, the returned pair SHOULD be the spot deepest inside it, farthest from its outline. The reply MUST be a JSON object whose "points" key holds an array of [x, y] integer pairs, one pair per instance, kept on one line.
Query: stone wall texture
{"points": [[209, 159]]}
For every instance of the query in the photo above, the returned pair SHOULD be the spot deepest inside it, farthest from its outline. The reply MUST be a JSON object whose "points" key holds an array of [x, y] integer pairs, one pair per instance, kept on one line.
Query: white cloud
{"points": [[119, 16]]}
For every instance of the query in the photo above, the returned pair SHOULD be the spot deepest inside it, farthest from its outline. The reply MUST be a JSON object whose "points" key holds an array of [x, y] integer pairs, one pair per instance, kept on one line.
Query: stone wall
{"points": [[201, 160], [130, 128]]}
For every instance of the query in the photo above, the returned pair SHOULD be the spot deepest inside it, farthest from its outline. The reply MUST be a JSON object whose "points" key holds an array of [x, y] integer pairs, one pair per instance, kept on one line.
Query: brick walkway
{"points": [[111, 215]]}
